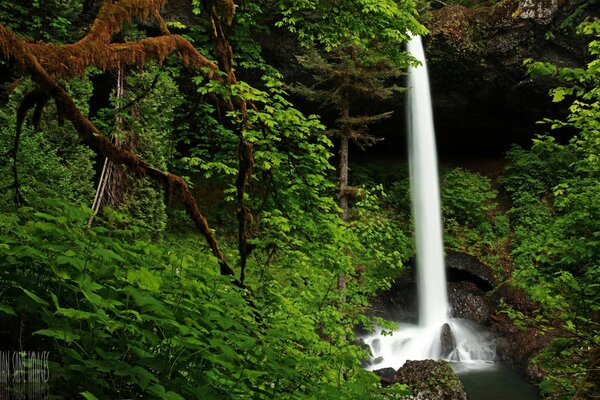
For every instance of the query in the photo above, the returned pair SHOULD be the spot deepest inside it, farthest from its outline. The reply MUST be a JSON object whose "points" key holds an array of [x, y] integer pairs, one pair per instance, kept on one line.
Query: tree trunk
{"points": [[112, 184], [343, 181], [343, 166], [343, 196]]}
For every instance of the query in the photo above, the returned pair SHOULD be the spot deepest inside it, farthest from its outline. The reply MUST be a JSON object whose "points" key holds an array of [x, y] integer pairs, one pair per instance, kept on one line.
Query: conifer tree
{"points": [[341, 77]]}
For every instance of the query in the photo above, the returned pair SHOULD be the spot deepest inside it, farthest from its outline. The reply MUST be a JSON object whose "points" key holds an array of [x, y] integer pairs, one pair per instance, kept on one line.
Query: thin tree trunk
{"points": [[110, 178], [343, 180], [343, 196], [343, 165], [99, 192]]}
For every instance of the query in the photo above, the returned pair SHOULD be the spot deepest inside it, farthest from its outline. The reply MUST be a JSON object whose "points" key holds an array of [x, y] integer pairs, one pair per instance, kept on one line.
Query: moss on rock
{"points": [[431, 380]]}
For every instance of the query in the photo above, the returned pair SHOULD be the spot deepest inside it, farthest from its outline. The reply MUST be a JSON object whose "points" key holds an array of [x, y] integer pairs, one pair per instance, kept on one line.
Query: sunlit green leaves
{"points": [[326, 24]]}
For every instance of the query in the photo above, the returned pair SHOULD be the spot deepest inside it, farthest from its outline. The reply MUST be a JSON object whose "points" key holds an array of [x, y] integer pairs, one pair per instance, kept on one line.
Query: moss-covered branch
{"points": [[45, 62]]}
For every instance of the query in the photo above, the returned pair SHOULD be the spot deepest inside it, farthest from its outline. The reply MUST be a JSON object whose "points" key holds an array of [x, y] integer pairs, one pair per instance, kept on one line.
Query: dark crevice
{"points": [[457, 275]]}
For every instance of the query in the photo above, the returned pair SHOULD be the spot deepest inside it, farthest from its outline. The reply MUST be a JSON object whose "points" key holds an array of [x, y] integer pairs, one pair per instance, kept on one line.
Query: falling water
{"points": [[437, 336], [424, 184]]}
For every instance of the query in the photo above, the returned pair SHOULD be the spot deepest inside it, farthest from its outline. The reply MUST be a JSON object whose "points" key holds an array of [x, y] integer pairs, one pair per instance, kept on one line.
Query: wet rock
{"points": [[469, 280], [540, 11], [361, 343], [386, 375], [516, 346], [468, 301], [430, 380], [377, 360], [398, 303], [477, 75], [448, 342]]}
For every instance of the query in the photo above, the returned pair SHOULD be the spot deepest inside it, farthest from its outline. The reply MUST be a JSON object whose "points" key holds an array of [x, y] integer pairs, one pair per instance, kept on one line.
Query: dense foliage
{"points": [[107, 272], [131, 304], [555, 192], [126, 318]]}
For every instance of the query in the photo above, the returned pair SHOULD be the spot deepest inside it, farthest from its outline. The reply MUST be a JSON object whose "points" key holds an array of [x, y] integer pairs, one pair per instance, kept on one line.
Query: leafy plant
{"points": [[386, 240], [472, 221], [122, 317], [48, 164], [556, 202]]}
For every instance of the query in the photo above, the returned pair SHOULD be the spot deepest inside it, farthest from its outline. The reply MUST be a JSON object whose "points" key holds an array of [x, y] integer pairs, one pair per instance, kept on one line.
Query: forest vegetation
{"points": [[176, 224]]}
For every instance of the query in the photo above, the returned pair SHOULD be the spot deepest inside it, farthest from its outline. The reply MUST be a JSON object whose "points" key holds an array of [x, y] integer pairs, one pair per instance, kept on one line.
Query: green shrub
{"points": [[126, 318], [472, 221]]}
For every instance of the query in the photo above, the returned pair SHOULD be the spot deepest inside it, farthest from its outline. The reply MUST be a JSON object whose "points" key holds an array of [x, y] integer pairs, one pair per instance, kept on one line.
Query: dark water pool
{"points": [[494, 382]]}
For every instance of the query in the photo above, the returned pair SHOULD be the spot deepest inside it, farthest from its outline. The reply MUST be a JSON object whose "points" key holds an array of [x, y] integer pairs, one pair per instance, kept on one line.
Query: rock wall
{"points": [[483, 99]]}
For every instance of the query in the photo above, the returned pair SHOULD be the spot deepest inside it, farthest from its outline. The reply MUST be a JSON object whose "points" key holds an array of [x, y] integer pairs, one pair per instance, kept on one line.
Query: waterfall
{"points": [[424, 185], [437, 336]]}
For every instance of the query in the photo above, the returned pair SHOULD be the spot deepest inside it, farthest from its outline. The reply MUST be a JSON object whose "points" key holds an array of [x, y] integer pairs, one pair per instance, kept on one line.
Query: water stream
{"points": [[437, 335]]}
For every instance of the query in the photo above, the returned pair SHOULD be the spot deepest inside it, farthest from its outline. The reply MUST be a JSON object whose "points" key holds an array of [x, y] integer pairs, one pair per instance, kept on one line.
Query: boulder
{"points": [[469, 280], [540, 11], [483, 98], [430, 380], [447, 340], [516, 345], [386, 375]]}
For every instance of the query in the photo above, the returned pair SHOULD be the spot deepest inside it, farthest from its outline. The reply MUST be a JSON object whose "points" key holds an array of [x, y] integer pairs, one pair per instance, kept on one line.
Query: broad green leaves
{"points": [[555, 192], [137, 318], [369, 24]]}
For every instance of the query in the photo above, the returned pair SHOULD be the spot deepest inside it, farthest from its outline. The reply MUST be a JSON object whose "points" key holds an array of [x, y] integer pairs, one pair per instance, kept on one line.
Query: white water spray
{"points": [[436, 336]]}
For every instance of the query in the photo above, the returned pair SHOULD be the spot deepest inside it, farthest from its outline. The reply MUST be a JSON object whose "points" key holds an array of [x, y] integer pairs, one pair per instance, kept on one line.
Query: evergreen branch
{"points": [[364, 119]]}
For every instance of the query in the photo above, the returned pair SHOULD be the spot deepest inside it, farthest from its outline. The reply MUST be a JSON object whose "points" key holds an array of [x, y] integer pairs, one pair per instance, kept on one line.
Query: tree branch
{"points": [[27, 57]]}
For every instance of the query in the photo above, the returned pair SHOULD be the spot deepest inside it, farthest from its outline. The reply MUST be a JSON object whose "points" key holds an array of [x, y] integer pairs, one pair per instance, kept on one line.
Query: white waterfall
{"points": [[437, 336], [424, 185]]}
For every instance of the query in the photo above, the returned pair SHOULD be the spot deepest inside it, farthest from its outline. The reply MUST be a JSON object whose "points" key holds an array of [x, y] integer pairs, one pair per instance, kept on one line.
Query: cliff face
{"points": [[483, 98]]}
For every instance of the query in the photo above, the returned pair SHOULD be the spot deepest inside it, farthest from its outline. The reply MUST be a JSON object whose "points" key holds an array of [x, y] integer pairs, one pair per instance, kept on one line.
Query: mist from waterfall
{"points": [[436, 336]]}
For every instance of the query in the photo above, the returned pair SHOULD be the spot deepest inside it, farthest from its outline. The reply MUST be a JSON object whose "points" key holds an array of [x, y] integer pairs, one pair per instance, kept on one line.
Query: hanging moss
{"points": [[95, 48], [46, 62]]}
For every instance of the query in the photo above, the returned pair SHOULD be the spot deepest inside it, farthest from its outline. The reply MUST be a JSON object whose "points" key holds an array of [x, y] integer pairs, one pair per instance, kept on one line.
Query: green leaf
{"points": [[108, 255], [77, 314], [160, 391], [35, 297], [176, 25], [7, 309], [59, 334], [88, 396], [60, 273], [74, 261], [146, 301], [144, 278]]}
